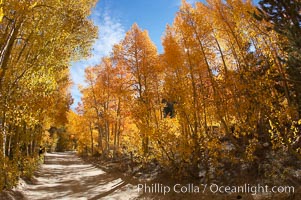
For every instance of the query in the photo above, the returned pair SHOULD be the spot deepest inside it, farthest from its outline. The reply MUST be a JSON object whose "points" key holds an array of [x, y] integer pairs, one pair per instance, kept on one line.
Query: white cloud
{"points": [[110, 32]]}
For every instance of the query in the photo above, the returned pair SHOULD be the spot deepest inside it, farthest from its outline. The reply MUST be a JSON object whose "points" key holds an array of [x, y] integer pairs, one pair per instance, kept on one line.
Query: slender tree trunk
{"points": [[100, 138], [107, 127], [117, 128], [92, 140], [9, 146], [4, 134], [115, 138], [6, 51]]}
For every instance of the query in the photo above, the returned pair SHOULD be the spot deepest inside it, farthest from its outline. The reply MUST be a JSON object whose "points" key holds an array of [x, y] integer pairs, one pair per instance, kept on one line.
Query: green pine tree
{"points": [[285, 16]]}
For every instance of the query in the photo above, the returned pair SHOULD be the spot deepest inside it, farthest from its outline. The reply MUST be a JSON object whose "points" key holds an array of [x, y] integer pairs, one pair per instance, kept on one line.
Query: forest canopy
{"points": [[225, 92]]}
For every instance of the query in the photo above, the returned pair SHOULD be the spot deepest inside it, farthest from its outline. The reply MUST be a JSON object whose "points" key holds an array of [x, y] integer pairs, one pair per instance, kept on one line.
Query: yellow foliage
{"points": [[220, 71], [1, 11]]}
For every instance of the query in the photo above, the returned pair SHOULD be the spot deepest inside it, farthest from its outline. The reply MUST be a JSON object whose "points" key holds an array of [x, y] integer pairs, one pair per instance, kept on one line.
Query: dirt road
{"points": [[65, 176]]}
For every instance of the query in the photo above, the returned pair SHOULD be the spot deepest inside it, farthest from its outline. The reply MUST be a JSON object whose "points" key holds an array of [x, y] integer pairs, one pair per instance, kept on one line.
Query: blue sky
{"points": [[114, 18]]}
